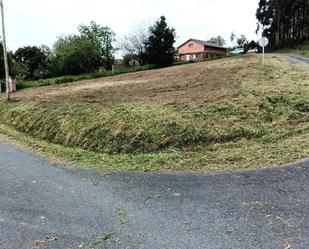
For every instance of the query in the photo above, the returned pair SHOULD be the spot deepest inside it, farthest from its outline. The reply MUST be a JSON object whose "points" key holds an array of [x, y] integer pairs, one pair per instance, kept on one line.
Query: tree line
{"points": [[92, 49], [284, 22]]}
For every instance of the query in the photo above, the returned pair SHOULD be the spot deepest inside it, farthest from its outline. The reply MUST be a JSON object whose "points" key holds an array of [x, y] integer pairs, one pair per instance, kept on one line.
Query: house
{"points": [[194, 49]]}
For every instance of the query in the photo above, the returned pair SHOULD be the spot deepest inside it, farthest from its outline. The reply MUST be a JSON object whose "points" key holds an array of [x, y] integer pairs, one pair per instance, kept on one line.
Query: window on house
{"points": [[190, 45]]}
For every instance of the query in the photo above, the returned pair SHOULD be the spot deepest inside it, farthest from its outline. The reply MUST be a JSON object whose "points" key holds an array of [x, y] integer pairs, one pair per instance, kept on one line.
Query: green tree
{"points": [[34, 61], [102, 39], [74, 54], [284, 22], [129, 60], [159, 46], [242, 40], [46, 50], [218, 40]]}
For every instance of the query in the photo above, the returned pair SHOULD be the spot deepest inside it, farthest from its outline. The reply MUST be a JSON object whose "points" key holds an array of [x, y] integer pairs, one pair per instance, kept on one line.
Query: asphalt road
{"points": [[44, 206], [297, 59]]}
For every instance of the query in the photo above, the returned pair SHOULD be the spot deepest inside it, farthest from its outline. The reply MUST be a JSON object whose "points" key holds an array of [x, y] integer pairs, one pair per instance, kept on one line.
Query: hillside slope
{"points": [[224, 114]]}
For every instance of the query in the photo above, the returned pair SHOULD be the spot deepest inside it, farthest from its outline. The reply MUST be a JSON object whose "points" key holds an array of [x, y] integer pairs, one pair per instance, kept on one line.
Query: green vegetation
{"points": [[219, 40], [89, 52], [24, 84], [275, 19], [159, 48], [302, 49], [73, 78], [31, 62], [259, 117]]}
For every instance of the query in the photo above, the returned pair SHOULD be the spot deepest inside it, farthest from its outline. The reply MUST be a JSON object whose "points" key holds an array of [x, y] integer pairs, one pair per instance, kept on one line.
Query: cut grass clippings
{"points": [[263, 120], [217, 157]]}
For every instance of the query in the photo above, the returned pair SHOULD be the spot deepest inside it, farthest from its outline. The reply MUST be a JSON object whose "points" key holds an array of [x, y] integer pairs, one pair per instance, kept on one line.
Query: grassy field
{"points": [[23, 84], [227, 114]]}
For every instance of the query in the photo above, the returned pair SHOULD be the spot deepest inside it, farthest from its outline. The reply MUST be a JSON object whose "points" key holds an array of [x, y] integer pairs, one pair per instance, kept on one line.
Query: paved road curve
{"points": [[90, 209], [297, 59]]}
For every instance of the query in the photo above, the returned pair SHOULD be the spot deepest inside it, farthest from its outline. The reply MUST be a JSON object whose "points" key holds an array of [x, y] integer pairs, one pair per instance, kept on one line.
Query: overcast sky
{"points": [[37, 22]]}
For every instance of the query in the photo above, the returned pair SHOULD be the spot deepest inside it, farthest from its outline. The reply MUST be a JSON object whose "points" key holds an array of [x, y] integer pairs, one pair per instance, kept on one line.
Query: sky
{"points": [[37, 22]]}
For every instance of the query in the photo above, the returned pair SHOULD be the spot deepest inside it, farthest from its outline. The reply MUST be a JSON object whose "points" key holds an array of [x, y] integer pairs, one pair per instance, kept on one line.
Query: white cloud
{"points": [[36, 22]]}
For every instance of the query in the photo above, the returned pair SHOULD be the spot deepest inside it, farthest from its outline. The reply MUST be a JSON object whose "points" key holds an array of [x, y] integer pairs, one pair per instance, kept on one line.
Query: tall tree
{"points": [[284, 22], [219, 40], [160, 49], [242, 40], [75, 55], [133, 45], [34, 59], [102, 38]]}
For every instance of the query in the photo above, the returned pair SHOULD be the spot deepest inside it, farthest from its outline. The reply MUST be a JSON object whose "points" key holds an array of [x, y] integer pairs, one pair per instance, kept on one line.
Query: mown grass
{"points": [[261, 122], [23, 84], [144, 128]]}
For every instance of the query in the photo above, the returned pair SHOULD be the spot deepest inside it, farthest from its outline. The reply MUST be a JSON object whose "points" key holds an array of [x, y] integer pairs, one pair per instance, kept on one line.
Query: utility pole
{"points": [[5, 56]]}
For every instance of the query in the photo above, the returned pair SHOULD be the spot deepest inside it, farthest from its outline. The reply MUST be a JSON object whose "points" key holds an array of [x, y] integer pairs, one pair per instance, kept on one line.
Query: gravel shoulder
{"points": [[44, 206]]}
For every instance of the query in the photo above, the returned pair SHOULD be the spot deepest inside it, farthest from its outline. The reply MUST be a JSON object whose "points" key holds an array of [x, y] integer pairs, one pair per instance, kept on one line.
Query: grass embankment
{"points": [[219, 115], [302, 49]]}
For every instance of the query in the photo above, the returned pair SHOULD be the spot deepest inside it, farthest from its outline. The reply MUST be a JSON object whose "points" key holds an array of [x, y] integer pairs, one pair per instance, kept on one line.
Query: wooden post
{"points": [[6, 65]]}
